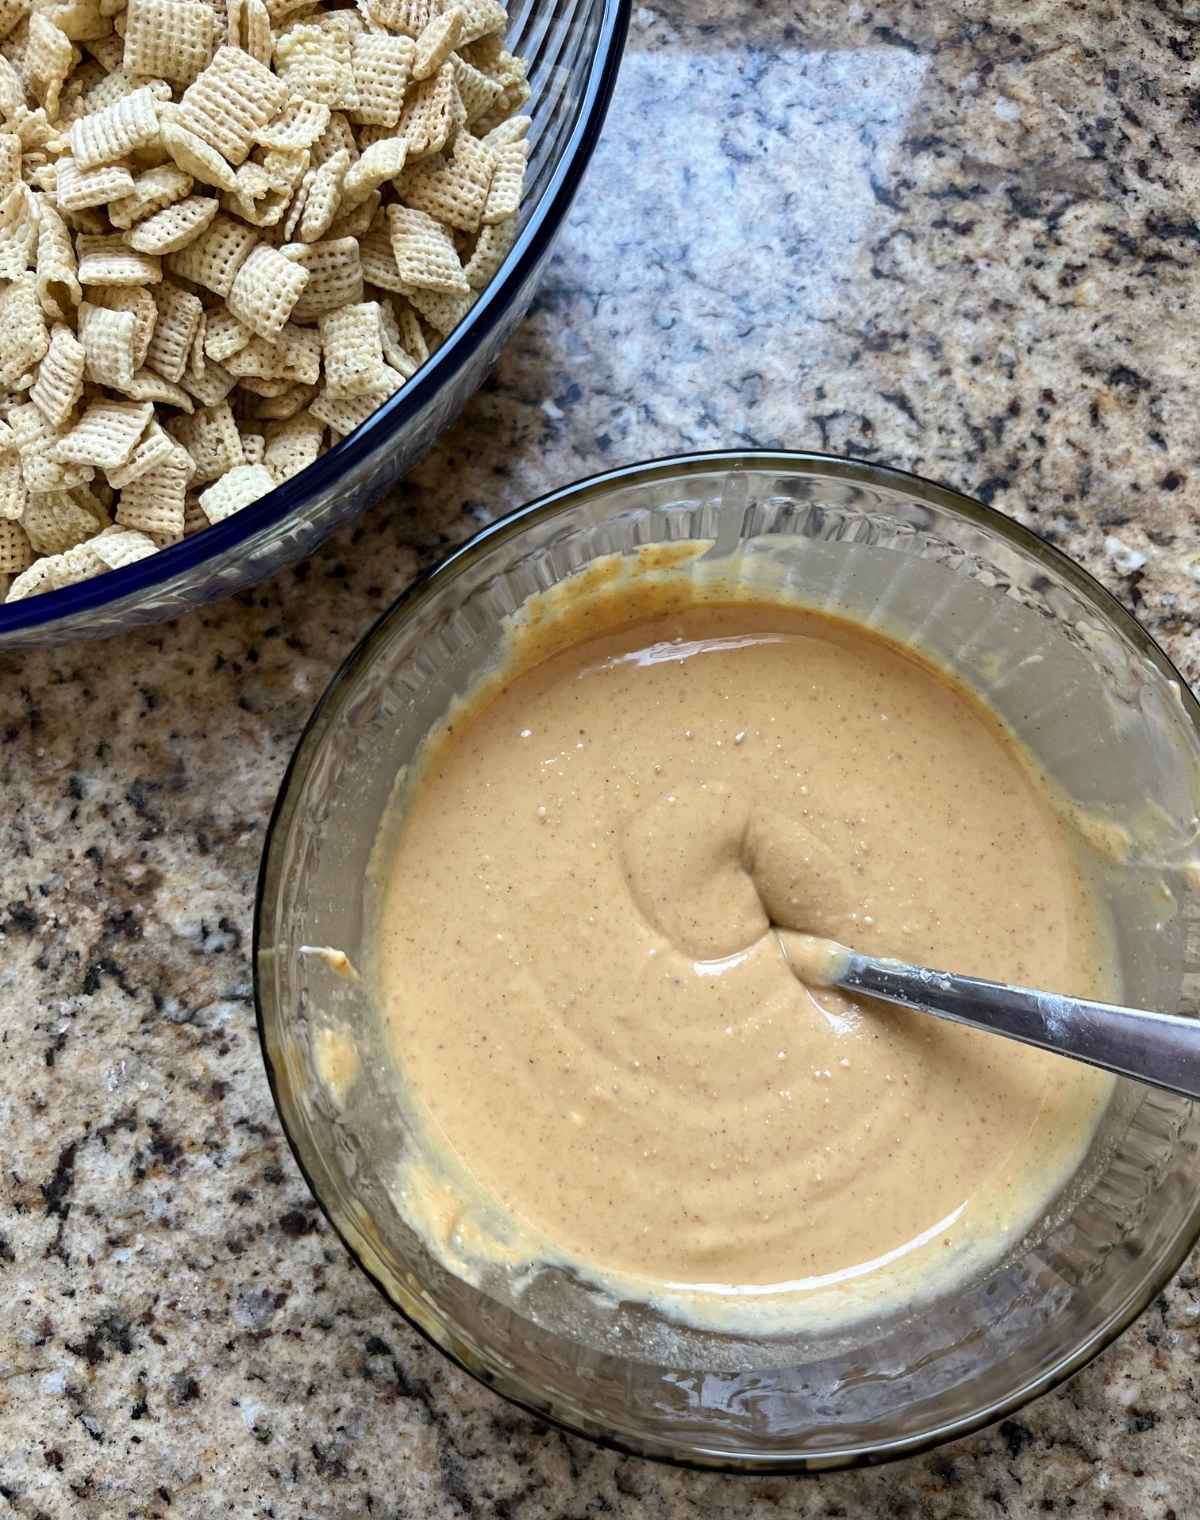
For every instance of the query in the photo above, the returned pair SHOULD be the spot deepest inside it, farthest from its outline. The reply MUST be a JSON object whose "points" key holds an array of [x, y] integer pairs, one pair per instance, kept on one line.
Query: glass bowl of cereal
{"points": [[255, 268], [697, 1216]]}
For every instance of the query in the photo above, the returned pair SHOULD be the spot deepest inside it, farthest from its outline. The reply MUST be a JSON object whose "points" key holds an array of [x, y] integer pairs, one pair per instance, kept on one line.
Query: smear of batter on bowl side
{"points": [[606, 1054]]}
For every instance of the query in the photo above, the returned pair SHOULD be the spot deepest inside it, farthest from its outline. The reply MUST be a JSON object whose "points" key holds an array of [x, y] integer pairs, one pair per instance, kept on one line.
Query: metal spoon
{"points": [[1162, 1049]]}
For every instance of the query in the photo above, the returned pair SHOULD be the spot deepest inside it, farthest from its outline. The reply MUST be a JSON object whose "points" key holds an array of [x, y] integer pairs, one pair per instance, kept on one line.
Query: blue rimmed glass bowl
{"points": [[573, 49]]}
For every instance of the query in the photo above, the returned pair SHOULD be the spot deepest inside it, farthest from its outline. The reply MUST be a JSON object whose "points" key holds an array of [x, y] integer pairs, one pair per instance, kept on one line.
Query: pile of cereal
{"points": [[228, 232]]}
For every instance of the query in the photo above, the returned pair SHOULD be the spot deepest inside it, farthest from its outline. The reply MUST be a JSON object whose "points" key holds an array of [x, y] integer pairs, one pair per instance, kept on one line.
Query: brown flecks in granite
{"points": [[297, 1222], [184, 1389], [57, 1190], [957, 238], [111, 1334]]}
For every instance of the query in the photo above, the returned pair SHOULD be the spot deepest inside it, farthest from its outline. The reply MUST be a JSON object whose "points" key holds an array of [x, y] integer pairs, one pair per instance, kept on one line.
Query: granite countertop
{"points": [[959, 238]]}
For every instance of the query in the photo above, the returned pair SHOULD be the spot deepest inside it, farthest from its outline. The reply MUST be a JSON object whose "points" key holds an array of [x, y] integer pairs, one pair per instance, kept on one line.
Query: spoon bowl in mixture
{"points": [[1160, 1049]]}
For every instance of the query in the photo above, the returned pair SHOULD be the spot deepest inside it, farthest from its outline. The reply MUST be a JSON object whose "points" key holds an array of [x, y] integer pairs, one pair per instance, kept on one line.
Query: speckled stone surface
{"points": [[957, 238]]}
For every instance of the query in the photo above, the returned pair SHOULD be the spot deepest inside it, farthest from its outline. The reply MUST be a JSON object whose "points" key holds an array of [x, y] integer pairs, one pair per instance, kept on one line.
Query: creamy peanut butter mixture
{"points": [[612, 1064]]}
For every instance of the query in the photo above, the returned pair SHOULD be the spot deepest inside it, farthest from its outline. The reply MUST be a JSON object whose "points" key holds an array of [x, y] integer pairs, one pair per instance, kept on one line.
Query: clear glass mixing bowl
{"points": [[573, 49], [1076, 678]]}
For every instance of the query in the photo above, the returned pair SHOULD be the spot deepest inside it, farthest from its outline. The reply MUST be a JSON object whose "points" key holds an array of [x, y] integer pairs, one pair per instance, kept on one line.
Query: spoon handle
{"points": [[1162, 1049]]}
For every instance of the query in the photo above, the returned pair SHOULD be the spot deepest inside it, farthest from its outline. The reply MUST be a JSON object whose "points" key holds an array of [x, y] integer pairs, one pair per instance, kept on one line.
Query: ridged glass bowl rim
{"points": [[323, 475], [408, 606]]}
